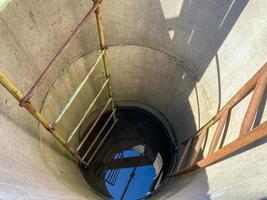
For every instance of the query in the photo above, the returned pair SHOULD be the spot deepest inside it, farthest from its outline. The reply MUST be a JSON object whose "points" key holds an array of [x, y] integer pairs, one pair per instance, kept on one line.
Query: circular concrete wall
{"points": [[184, 58]]}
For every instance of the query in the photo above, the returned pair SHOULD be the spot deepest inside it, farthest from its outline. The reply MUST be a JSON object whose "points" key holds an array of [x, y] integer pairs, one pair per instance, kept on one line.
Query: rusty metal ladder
{"points": [[190, 161], [24, 101]]}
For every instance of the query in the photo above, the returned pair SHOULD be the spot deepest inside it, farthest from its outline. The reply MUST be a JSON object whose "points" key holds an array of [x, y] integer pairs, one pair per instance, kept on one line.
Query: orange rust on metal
{"points": [[218, 132], [256, 83], [241, 94], [185, 152], [254, 135], [254, 103], [184, 171], [198, 146], [55, 59]]}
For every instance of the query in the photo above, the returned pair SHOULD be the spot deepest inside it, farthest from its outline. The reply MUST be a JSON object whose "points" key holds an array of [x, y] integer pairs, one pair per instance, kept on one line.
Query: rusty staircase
{"points": [[190, 161]]}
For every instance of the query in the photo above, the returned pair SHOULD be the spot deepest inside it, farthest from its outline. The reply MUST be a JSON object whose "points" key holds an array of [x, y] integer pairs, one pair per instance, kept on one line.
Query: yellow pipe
{"points": [[17, 94], [99, 21]]}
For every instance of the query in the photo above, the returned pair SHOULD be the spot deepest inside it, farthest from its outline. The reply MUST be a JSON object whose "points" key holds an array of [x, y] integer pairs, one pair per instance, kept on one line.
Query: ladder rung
{"points": [[198, 146], [254, 135], [94, 124], [218, 132], [254, 104], [98, 135], [101, 142], [239, 96], [185, 152], [78, 89], [87, 111]]}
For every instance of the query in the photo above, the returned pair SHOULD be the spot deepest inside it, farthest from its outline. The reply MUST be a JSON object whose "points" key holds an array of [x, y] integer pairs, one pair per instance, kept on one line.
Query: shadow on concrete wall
{"points": [[213, 30], [258, 121], [196, 23]]}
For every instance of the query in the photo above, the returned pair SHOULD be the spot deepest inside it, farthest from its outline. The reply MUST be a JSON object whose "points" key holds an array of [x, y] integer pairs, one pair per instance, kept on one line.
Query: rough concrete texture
{"points": [[184, 58]]}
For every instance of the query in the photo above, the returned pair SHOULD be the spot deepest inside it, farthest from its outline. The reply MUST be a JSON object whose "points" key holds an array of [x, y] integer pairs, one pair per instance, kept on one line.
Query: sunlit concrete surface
{"points": [[183, 58]]}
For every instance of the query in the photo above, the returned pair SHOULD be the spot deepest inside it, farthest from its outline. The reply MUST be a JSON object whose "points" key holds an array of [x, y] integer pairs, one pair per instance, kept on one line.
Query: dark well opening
{"points": [[138, 144]]}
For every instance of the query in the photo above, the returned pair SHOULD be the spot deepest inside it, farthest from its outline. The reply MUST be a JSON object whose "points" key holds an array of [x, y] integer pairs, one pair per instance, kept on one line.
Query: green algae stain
{"points": [[3, 4]]}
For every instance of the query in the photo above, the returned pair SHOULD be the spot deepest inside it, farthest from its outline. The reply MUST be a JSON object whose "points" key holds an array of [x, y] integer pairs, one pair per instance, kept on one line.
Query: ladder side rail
{"points": [[218, 132], [99, 20], [184, 154], [254, 103], [240, 95], [256, 83], [58, 55], [242, 141], [198, 146], [17, 94]]}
